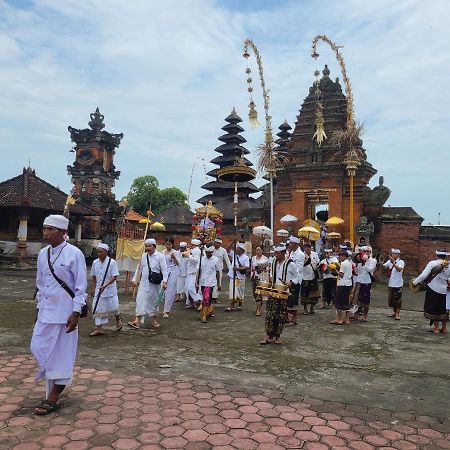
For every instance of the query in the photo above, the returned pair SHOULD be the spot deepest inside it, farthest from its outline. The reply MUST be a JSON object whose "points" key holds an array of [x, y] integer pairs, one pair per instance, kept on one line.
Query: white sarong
{"points": [[191, 289], [146, 300], [55, 353], [215, 292], [239, 290], [171, 290]]}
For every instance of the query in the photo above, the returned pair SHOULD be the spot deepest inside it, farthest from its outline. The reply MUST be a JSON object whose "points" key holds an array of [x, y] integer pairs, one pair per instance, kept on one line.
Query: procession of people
{"points": [[289, 275]]}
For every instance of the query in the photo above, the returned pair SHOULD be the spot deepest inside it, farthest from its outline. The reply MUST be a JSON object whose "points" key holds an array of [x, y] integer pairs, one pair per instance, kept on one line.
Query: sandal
{"points": [[155, 325], [119, 325], [97, 333], [229, 309], [47, 407], [277, 342], [335, 322], [265, 342], [133, 325]]}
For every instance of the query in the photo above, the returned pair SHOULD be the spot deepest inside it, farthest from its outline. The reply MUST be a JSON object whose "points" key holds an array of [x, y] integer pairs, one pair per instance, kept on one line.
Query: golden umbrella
{"points": [[311, 223], [309, 232], [334, 235], [334, 221], [144, 220], [157, 226]]}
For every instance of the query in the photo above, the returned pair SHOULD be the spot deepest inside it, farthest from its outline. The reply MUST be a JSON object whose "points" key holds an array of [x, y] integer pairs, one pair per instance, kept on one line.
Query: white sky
{"points": [[166, 73]]}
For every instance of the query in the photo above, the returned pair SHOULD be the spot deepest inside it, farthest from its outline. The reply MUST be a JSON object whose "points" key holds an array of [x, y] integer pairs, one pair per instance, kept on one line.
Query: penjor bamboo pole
{"points": [[351, 210]]}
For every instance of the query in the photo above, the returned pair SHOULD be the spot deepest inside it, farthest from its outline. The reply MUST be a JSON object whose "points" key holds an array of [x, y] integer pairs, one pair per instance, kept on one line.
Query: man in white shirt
{"points": [[282, 271], [436, 276], [208, 277], [343, 289], [105, 304], [328, 279], [181, 282], [151, 275], [192, 255], [309, 290], [240, 265], [298, 258], [396, 266], [363, 282], [222, 255], [61, 282]]}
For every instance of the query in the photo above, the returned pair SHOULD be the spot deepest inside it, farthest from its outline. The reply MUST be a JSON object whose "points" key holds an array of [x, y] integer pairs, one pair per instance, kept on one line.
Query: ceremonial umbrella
{"points": [[288, 218], [145, 220], [262, 231], [282, 233], [334, 235], [334, 221], [157, 226], [311, 223], [309, 232]]}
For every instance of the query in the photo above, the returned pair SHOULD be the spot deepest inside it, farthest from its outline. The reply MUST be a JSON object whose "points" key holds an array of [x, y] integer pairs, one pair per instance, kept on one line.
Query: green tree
{"points": [[145, 193]]}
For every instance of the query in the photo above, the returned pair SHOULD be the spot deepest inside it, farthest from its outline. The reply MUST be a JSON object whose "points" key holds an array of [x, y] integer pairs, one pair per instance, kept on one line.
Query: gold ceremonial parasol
{"points": [[311, 223], [144, 220], [334, 235], [208, 211], [309, 232], [157, 226], [334, 221]]}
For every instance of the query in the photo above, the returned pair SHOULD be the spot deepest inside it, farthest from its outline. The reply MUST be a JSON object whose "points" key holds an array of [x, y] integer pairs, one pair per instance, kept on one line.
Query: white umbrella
{"points": [[282, 233], [288, 218], [262, 231]]}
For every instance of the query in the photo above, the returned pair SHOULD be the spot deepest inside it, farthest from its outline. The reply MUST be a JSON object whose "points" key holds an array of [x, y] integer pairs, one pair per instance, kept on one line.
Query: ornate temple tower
{"points": [[231, 151], [317, 174], [93, 173]]}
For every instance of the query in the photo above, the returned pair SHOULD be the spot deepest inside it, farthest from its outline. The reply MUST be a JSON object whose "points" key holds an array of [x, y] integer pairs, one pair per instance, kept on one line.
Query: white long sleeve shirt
{"points": [[299, 260], [396, 278], [222, 255], [209, 268], [54, 303], [98, 271], [192, 261], [238, 261], [157, 263], [363, 271], [308, 270], [292, 274], [439, 282]]}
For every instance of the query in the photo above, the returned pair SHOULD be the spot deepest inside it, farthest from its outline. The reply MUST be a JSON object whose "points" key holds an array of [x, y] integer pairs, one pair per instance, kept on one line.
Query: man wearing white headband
{"points": [[436, 277], [207, 278], [222, 255], [105, 301], [282, 271], [151, 276], [181, 282], [61, 297], [395, 265], [298, 257], [240, 265], [193, 296]]}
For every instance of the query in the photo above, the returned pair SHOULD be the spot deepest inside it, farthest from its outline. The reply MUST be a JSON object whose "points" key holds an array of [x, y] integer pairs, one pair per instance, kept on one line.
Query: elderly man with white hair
{"points": [[151, 275], [240, 265], [105, 304], [61, 297], [396, 266]]}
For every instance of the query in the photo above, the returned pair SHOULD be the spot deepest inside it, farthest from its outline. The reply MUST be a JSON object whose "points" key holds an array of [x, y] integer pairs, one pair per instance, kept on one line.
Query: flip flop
{"points": [[133, 325], [277, 342], [97, 333], [155, 325], [333, 322], [397, 318], [119, 327], [47, 407], [265, 342]]}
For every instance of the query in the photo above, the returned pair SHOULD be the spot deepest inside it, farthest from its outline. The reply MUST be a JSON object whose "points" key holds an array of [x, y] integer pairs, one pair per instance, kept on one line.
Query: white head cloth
{"points": [[209, 249], [441, 252], [328, 250], [150, 241], [294, 239], [343, 247], [183, 244], [219, 241], [56, 221], [395, 250], [279, 248], [240, 245], [103, 246], [349, 253], [195, 242]]}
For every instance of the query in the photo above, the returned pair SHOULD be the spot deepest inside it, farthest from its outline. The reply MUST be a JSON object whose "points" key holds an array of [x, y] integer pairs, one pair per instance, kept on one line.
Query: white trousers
{"points": [[55, 353], [181, 284], [191, 289]]}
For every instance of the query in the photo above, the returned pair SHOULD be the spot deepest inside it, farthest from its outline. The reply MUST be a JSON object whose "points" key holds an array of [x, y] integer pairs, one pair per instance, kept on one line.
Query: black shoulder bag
{"points": [[103, 282], [84, 309], [153, 277]]}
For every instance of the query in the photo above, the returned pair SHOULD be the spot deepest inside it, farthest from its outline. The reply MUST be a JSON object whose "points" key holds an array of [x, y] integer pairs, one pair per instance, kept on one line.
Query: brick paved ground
{"points": [[108, 409]]}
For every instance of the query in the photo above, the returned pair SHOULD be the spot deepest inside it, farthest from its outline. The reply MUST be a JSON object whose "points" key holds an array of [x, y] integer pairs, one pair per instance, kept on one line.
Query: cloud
{"points": [[166, 74]]}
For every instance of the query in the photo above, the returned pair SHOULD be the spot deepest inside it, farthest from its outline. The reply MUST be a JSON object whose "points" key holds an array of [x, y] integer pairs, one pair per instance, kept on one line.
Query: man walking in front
{"points": [[61, 282]]}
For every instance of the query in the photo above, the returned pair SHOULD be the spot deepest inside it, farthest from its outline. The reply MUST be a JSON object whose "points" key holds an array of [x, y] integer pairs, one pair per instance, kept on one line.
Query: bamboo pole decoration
{"points": [[340, 60]]}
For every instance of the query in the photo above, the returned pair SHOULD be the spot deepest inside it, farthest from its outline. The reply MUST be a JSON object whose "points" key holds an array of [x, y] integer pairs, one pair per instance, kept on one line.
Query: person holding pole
{"points": [[105, 303]]}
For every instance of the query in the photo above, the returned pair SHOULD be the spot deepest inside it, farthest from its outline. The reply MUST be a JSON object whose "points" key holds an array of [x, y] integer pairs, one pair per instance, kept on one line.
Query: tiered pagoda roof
{"points": [[230, 152]]}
